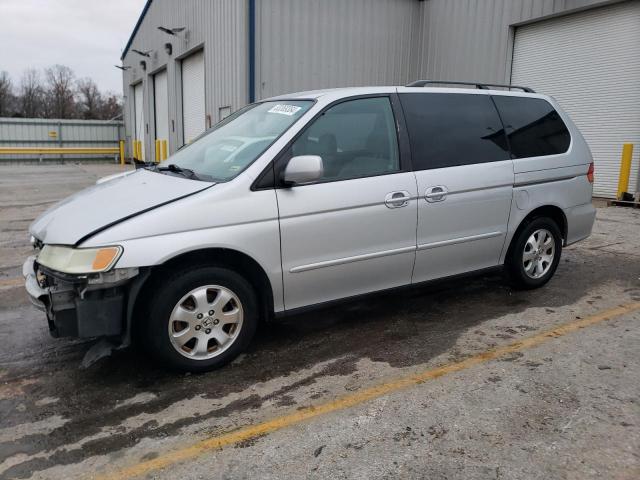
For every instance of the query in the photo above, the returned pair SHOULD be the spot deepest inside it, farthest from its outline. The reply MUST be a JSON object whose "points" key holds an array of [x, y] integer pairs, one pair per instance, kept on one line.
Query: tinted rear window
{"points": [[533, 126], [449, 129]]}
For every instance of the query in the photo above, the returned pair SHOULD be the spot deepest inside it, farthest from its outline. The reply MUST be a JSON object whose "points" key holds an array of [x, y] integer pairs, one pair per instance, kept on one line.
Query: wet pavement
{"points": [[566, 410]]}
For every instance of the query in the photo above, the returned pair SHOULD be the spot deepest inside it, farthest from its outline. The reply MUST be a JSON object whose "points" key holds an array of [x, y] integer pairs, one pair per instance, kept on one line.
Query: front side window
{"points": [[533, 126], [450, 129], [356, 138], [233, 144]]}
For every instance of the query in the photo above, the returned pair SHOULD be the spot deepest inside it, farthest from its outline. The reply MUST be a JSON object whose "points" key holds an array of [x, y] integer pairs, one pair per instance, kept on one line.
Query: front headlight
{"points": [[79, 260]]}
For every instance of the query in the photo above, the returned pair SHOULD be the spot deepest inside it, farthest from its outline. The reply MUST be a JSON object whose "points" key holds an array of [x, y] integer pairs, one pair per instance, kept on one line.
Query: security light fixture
{"points": [[168, 48], [122, 67], [144, 54], [171, 31]]}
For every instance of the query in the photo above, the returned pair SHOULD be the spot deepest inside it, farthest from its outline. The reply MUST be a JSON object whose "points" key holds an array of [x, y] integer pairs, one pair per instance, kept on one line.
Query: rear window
{"points": [[533, 126], [450, 129]]}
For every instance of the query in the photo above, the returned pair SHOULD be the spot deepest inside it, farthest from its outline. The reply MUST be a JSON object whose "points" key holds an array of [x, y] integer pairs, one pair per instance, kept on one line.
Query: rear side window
{"points": [[533, 126], [449, 129]]}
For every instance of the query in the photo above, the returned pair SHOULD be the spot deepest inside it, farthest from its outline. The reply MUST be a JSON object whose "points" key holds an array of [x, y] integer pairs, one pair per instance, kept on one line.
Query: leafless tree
{"points": [[89, 99], [7, 97], [31, 95], [60, 92], [111, 106], [60, 96]]}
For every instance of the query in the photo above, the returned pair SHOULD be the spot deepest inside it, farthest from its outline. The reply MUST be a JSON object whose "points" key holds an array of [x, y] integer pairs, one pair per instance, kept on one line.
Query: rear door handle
{"points": [[397, 199], [435, 194]]}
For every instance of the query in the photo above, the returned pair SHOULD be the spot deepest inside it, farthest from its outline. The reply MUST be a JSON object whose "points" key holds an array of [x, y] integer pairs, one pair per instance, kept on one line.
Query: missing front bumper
{"points": [[94, 313]]}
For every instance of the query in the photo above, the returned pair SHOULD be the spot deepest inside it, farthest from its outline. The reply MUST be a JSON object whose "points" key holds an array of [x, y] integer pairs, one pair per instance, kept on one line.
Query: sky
{"points": [[86, 35]]}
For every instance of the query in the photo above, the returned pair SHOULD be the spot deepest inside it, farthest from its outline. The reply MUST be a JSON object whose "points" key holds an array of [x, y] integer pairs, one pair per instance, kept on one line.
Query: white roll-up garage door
{"points": [[193, 111], [161, 105], [138, 105], [590, 63]]}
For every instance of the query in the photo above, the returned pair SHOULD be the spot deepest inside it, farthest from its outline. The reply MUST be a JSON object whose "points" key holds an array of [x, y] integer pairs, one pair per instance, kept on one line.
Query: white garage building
{"points": [[219, 55]]}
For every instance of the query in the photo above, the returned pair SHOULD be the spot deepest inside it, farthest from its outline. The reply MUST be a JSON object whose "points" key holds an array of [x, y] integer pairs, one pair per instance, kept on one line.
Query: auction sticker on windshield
{"points": [[285, 109]]}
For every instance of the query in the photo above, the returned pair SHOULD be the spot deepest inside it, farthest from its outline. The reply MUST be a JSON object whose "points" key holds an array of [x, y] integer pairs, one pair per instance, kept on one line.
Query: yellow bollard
{"points": [[164, 149], [625, 169], [157, 151], [121, 152]]}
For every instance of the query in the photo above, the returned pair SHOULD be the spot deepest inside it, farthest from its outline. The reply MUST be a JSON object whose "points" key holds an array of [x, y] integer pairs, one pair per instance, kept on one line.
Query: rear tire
{"points": [[199, 319], [534, 254]]}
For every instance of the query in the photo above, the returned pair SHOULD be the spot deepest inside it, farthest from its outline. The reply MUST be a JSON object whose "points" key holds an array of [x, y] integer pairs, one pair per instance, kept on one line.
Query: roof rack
{"points": [[481, 86]]}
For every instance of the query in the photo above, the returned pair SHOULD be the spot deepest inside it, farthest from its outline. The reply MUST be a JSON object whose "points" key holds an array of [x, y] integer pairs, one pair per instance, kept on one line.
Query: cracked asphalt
{"points": [[566, 408]]}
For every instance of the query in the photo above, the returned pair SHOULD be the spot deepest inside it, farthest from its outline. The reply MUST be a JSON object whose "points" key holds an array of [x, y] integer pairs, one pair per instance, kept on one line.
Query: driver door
{"points": [[354, 230]]}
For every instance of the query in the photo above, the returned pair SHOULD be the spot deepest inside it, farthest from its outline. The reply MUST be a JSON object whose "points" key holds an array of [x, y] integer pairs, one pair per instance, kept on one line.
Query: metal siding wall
{"points": [[310, 44], [306, 44], [590, 63], [34, 132], [221, 26], [472, 39]]}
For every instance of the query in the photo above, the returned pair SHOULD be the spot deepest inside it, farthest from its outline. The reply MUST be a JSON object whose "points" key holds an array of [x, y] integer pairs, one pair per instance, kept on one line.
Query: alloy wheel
{"points": [[205, 322], [539, 252]]}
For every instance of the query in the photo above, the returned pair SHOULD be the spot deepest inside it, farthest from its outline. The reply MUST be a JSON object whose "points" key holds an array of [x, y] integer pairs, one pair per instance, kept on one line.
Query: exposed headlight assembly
{"points": [[79, 260]]}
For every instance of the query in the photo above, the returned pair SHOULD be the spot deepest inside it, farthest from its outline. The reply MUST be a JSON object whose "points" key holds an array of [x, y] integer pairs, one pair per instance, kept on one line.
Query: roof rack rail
{"points": [[482, 86]]}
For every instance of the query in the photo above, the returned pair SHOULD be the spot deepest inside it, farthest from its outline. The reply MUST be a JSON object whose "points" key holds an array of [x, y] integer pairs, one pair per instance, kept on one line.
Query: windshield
{"points": [[233, 144]]}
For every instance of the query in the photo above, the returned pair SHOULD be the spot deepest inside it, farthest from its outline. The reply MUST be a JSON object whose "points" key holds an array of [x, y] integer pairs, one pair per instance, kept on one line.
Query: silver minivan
{"points": [[310, 198]]}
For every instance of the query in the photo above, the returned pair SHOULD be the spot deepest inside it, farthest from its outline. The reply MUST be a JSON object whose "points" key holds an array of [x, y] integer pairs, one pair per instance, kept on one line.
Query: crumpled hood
{"points": [[102, 205]]}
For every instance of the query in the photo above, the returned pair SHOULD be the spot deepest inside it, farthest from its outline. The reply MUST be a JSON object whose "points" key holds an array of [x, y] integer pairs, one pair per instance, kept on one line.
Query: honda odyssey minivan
{"points": [[309, 198]]}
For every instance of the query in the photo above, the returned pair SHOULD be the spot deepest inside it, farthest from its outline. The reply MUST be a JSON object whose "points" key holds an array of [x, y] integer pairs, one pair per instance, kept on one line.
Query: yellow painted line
{"points": [[356, 398], [57, 150], [11, 282]]}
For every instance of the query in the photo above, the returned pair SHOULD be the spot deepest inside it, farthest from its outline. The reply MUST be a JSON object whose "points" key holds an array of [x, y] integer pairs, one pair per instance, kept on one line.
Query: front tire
{"points": [[534, 254], [199, 319]]}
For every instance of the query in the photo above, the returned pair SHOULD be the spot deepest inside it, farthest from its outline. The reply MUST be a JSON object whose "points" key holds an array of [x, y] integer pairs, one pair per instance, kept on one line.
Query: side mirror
{"points": [[303, 169]]}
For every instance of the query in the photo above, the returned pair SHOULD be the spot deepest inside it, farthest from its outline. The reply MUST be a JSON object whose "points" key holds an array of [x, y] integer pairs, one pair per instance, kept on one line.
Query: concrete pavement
{"points": [[566, 407]]}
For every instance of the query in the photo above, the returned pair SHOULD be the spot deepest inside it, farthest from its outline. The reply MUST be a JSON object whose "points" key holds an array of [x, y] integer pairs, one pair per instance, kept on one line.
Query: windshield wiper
{"points": [[186, 172], [147, 165]]}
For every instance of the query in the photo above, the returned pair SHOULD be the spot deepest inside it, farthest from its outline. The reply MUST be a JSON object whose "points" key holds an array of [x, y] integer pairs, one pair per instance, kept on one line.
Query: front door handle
{"points": [[397, 199], [435, 194]]}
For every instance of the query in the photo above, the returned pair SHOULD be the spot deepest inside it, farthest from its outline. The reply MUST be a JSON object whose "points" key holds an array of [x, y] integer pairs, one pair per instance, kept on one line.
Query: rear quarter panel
{"points": [[555, 180]]}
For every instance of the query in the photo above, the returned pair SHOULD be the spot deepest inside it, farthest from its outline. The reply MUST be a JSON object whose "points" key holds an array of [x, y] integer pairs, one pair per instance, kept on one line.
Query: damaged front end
{"points": [[82, 305]]}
